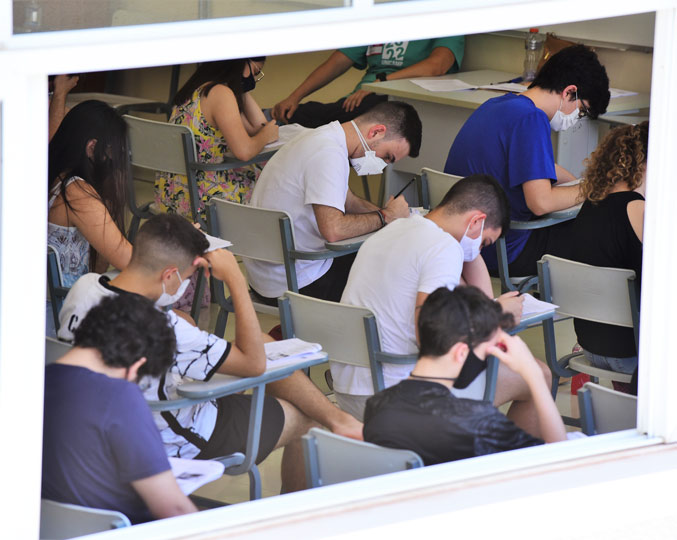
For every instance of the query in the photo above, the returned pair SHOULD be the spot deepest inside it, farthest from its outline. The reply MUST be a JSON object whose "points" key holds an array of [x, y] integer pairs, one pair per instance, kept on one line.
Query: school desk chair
{"points": [[262, 235], [332, 459], [604, 410], [349, 335], [433, 186], [592, 293], [61, 520], [57, 292]]}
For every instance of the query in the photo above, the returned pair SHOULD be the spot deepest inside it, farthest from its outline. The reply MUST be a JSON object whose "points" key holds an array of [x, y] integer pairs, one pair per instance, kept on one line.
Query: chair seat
{"points": [[583, 365]]}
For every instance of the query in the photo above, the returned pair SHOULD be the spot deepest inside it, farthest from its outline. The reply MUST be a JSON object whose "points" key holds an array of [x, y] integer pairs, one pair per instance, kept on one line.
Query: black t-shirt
{"points": [[603, 236], [425, 417]]}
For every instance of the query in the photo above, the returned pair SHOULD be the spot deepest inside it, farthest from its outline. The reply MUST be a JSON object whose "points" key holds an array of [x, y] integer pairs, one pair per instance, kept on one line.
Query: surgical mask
{"points": [[471, 369], [369, 163], [471, 246], [168, 299], [248, 83], [561, 121]]}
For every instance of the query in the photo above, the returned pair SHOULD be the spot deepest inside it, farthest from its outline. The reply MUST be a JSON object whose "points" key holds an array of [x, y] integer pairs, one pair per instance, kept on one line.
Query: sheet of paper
{"points": [[443, 85], [290, 348], [285, 134], [505, 87], [532, 306], [191, 474], [617, 92], [216, 243]]}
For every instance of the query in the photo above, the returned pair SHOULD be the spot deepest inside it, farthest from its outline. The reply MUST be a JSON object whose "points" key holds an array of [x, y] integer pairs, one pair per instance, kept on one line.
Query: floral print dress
{"points": [[171, 190]]}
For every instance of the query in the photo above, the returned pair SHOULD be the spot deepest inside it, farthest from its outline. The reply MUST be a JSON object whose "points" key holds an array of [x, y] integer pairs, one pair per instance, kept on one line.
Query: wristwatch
{"points": [[381, 76]]}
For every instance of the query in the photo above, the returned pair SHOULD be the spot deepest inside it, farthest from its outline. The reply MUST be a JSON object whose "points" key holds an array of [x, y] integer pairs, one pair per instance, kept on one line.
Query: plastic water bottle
{"points": [[533, 46]]}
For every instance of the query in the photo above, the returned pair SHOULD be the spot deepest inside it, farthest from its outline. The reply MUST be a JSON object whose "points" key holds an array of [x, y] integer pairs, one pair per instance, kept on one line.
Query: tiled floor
{"points": [[236, 489]]}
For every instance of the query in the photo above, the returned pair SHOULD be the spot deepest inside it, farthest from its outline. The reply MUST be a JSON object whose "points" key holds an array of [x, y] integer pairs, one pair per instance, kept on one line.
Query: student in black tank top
{"points": [[608, 232]]}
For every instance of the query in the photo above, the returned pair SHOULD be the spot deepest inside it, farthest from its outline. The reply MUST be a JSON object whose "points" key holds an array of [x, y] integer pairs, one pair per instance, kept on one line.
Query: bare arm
{"points": [[247, 357], [518, 358], [162, 496], [95, 223], [438, 63], [334, 225], [358, 205], [635, 211], [252, 116], [563, 175], [57, 106], [336, 65], [221, 110], [542, 197], [475, 273]]}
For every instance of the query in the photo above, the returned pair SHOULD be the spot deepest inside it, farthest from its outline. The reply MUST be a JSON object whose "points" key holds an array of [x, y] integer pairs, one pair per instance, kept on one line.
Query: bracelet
{"points": [[381, 217], [381, 77]]}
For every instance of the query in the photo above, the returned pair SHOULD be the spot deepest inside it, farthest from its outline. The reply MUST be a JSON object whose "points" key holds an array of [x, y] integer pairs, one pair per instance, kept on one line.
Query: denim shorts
{"points": [[620, 365]]}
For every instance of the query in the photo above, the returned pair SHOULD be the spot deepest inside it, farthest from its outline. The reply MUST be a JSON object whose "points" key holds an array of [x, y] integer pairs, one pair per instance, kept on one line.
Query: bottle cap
{"points": [[533, 30]]}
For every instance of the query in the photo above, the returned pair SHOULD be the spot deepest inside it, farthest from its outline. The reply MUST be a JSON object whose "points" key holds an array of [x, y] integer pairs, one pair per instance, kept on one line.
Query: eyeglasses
{"points": [[585, 112], [260, 75]]}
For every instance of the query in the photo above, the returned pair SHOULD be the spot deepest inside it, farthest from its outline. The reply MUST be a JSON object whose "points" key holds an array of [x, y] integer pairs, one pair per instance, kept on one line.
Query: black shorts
{"points": [[232, 426], [329, 286]]}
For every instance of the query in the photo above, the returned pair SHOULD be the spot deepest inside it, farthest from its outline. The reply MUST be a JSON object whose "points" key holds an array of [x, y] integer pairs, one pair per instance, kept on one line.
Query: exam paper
{"points": [[290, 348], [443, 85], [532, 306], [617, 92], [504, 87], [191, 474], [216, 243]]}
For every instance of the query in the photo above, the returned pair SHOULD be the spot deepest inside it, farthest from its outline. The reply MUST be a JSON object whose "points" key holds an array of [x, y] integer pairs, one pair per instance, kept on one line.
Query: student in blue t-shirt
{"points": [[100, 445], [383, 62], [508, 137]]}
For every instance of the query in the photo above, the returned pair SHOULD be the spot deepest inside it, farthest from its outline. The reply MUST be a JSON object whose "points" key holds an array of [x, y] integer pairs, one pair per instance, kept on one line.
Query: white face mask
{"points": [[471, 246], [369, 163], [168, 299], [561, 121]]}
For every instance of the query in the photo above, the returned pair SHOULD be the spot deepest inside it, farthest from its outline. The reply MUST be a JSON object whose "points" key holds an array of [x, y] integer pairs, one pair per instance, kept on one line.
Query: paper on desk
{"points": [[617, 92], [504, 87], [290, 348], [285, 134], [443, 85], [216, 243], [532, 306], [191, 474]]}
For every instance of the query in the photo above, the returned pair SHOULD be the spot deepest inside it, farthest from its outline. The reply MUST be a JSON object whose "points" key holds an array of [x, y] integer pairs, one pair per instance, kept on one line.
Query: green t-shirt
{"points": [[390, 57]]}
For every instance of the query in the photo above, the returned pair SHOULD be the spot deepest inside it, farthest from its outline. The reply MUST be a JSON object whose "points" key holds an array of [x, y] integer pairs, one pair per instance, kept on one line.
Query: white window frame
{"points": [[25, 60]]}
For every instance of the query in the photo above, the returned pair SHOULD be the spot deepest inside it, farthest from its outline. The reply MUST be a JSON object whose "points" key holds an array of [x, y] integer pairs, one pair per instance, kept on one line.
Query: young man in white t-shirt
{"points": [[167, 251], [308, 178], [397, 268]]}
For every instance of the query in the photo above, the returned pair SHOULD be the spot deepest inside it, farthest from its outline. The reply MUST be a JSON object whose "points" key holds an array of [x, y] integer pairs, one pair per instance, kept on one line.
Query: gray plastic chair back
{"points": [[332, 459], [437, 184], [159, 146], [339, 328], [604, 410], [55, 349], [254, 232], [61, 520], [592, 293]]}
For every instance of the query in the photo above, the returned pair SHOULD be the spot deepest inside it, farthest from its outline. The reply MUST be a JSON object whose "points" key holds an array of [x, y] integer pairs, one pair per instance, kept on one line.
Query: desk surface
{"points": [[222, 385], [471, 99]]}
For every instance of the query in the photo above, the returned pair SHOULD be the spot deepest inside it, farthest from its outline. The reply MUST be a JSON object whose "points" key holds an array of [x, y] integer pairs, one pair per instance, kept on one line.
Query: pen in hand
{"points": [[405, 187]]}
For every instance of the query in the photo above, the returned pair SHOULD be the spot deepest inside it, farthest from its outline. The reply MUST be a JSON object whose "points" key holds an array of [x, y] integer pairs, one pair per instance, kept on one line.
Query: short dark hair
{"points": [[125, 328], [167, 239], [580, 66], [465, 315], [480, 192], [400, 118]]}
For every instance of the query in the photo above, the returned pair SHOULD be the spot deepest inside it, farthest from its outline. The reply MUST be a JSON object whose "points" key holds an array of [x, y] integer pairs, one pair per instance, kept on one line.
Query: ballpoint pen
{"points": [[405, 187]]}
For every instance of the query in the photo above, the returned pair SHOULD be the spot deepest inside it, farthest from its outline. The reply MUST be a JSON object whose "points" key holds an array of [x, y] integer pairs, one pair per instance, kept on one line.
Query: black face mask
{"points": [[248, 83], [472, 367]]}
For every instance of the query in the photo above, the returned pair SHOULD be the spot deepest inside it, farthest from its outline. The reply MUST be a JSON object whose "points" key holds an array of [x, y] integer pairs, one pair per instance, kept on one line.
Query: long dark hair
{"points": [[228, 72], [106, 171]]}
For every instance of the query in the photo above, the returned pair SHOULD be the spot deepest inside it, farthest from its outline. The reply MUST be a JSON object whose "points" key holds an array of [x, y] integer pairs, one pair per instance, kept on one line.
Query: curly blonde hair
{"points": [[621, 156]]}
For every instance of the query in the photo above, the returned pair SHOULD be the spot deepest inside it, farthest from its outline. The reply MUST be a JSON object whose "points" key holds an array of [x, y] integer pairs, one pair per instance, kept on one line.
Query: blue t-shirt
{"points": [[507, 137], [99, 435]]}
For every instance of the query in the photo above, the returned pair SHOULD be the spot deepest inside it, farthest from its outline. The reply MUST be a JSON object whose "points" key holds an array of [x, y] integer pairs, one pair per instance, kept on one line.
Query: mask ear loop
{"points": [[365, 146]]}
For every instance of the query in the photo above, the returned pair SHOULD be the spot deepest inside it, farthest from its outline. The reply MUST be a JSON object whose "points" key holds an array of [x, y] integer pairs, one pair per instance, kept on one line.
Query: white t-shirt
{"points": [[311, 169], [198, 356], [399, 261]]}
